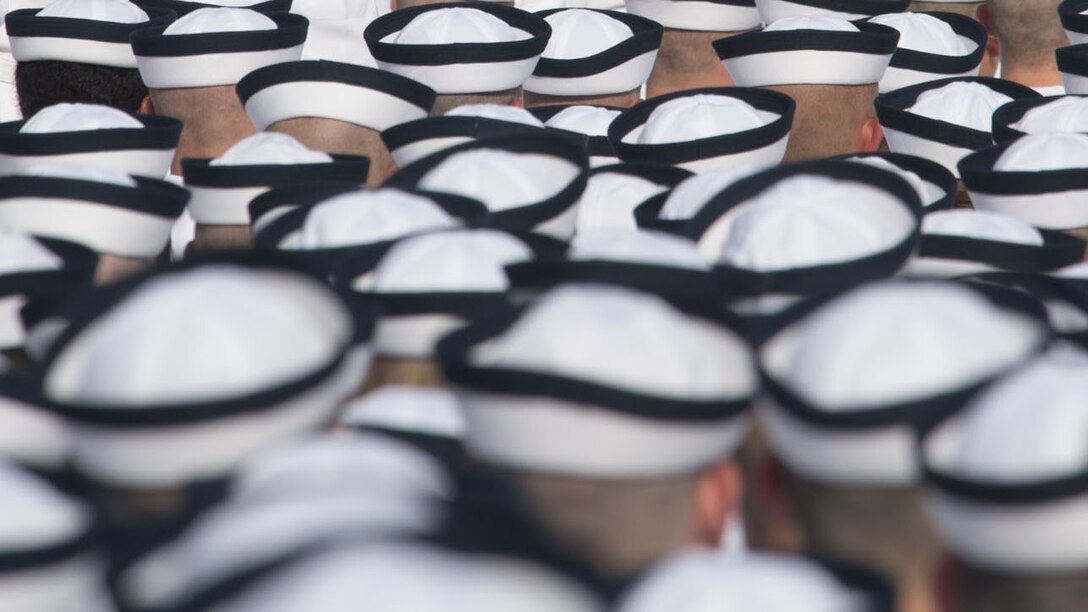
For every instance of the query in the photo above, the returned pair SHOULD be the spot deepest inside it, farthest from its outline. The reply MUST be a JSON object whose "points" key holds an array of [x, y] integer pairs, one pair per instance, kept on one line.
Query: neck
{"points": [[198, 146], [713, 75], [1044, 75], [687, 60], [915, 596]]}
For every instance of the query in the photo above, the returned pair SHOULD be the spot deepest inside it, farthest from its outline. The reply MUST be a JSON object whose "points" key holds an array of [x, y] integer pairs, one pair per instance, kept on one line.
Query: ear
{"points": [[993, 45], [146, 107], [945, 583], [718, 496], [982, 15], [870, 136]]}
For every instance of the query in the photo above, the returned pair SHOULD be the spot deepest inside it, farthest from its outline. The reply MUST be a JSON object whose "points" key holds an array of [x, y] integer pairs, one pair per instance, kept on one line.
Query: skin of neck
{"points": [[1046, 75]]}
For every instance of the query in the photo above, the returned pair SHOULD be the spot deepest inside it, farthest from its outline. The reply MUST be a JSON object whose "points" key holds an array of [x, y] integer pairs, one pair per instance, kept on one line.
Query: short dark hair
{"points": [[982, 590], [45, 83]]}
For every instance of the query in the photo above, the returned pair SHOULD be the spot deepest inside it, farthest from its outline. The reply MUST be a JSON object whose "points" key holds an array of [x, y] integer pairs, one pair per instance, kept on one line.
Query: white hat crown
{"points": [[115, 11], [970, 105], [1041, 152], [366, 217], [69, 117], [578, 33], [457, 25], [213, 20], [981, 225]]}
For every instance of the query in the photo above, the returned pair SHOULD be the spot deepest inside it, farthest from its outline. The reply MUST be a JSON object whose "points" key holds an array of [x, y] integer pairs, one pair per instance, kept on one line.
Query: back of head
{"points": [[818, 133], [884, 528], [447, 102], [90, 61], [45, 83], [341, 138], [981, 590], [191, 70], [686, 60], [618, 527], [609, 485], [1029, 31], [1013, 551], [967, 7]]}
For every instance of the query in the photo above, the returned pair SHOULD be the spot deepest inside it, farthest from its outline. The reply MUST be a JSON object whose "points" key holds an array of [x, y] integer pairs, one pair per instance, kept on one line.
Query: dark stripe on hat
{"points": [[935, 63], [158, 134], [152, 42], [646, 39], [871, 39], [891, 110], [703, 148], [200, 172], [351, 75], [27, 24], [460, 53]]}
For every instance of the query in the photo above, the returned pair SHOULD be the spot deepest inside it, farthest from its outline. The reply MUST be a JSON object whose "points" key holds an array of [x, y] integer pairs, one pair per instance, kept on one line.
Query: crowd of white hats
{"points": [[441, 247]]}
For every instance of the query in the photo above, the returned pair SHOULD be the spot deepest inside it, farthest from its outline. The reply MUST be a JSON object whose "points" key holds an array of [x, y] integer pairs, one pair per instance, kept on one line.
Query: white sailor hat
{"points": [[214, 47], [33, 436], [936, 186], [1040, 116], [412, 141], [528, 182], [44, 321], [1039, 178], [335, 29], [947, 119], [1063, 297], [1006, 476], [49, 559], [699, 15], [295, 352], [595, 53], [966, 241], [360, 95], [184, 7], [706, 129], [1074, 18], [613, 192], [342, 228], [601, 381], [402, 409], [589, 121], [775, 10], [222, 188], [103, 209], [83, 31], [851, 382], [460, 47], [309, 492], [670, 212], [412, 576], [859, 222], [654, 262], [707, 581], [36, 268], [33, 269], [90, 135], [817, 50], [932, 46], [432, 284], [340, 463], [1073, 66]]}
